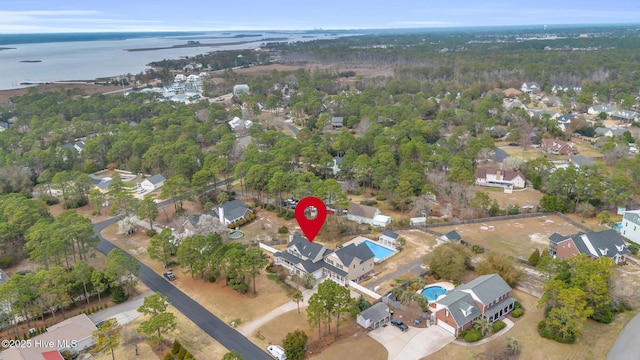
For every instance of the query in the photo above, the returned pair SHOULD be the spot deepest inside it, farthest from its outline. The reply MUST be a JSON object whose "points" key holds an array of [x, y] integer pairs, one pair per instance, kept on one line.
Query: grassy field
{"points": [[527, 196], [519, 237], [593, 344]]}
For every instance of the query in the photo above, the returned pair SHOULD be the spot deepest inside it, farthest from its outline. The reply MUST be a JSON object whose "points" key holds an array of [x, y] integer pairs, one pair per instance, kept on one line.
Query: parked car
{"points": [[402, 326], [169, 275], [277, 352]]}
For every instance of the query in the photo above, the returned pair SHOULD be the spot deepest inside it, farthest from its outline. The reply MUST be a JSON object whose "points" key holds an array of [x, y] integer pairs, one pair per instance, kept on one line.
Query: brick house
{"points": [[594, 244], [487, 296]]}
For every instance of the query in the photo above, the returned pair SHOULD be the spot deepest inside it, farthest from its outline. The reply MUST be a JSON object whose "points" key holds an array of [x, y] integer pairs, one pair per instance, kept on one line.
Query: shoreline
{"points": [[182, 46]]}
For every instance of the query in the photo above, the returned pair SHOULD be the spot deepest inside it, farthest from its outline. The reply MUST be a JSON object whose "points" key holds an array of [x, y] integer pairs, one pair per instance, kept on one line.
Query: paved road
{"points": [[627, 345], [216, 328]]}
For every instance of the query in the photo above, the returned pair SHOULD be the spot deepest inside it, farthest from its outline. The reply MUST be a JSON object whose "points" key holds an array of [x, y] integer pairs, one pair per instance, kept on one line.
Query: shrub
{"points": [[168, 356], [471, 335], [118, 295], [50, 200], [270, 207], [5, 261], [517, 312], [477, 249], [182, 353], [534, 258], [176, 347], [151, 233], [633, 248], [498, 325], [369, 202], [517, 305], [283, 230]]}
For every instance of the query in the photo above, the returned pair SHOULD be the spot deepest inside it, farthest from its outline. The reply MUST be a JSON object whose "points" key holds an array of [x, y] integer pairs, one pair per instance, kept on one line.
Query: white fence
{"points": [[364, 290]]}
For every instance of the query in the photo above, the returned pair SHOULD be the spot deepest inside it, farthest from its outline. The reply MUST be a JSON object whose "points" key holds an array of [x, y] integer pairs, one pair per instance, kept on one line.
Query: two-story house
{"points": [[631, 225], [353, 262], [594, 244], [487, 296]]}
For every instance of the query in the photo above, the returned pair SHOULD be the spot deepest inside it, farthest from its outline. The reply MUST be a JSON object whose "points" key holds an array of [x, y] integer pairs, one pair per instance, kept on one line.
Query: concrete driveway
{"points": [[415, 343]]}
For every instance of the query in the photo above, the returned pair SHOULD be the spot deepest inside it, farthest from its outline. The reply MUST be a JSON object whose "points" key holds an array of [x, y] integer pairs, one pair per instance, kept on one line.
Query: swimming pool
{"points": [[433, 292], [379, 252]]}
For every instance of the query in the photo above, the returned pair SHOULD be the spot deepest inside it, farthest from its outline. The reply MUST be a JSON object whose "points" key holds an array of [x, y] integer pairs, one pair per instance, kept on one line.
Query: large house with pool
{"points": [[352, 262], [486, 296]]}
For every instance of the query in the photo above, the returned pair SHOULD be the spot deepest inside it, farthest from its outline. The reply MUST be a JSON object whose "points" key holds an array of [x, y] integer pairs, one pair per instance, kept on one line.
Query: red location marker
{"points": [[311, 228]]}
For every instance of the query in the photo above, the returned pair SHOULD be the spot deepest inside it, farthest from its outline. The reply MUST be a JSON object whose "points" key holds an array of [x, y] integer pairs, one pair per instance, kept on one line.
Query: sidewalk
{"points": [[487, 339], [124, 313]]}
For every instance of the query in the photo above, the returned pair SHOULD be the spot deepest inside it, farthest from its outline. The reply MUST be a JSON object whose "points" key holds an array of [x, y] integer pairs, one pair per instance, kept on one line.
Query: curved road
{"points": [[216, 328], [626, 346]]}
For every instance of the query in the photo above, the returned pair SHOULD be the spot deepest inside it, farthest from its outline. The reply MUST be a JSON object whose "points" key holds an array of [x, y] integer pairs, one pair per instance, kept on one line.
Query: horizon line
{"points": [[547, 25]]}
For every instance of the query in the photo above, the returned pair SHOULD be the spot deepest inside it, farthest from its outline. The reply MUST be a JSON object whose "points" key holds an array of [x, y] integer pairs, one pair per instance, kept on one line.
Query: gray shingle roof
{"points": [[362, 211], [556, 238], [487, 288], [580, 160], [453, 235], [348, 253], [390, 234], [156, 179], [306, 248], [632, 216], [233, 210], [596, 244], [461, 306], [376, 312]]}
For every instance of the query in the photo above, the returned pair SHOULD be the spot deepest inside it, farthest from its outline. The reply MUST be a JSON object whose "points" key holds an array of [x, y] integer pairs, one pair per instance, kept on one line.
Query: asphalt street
{"points": [[212, 325], [627, 346]]}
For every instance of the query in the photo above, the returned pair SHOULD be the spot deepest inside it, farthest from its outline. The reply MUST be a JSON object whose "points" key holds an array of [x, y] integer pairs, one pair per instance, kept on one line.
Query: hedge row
{"points": [[243, 221]]}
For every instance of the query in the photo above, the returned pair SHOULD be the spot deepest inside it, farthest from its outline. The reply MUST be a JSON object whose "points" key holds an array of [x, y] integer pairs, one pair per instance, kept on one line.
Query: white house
{"points": [[597, 109], [153, 182], [530, 87], [238, 124], [374, 317], [500, 178], [231, 211], [363, 214], [335, 165], [74, 334], [389, 238], [631, 225]]}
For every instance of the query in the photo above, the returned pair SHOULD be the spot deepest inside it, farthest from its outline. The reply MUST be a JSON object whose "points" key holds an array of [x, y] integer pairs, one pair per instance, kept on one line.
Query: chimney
{"points": [[221, 213]]}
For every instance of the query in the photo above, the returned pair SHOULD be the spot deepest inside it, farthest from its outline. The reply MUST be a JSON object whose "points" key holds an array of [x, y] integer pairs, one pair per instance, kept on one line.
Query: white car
{"points": [[277, 352]]}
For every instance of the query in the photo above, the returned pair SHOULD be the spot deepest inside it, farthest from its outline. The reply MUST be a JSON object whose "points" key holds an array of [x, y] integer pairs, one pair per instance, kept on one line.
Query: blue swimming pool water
{"points": [[618, 226], [379, 252], [432, 292]]}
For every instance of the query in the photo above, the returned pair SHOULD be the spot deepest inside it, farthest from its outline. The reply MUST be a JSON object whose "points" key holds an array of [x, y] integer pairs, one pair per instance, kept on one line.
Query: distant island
{"points": [[6, 48], [30, 61]]}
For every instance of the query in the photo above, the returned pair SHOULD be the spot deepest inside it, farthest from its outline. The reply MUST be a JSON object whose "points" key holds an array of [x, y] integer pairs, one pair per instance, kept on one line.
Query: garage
{"points": [[447, 327]]}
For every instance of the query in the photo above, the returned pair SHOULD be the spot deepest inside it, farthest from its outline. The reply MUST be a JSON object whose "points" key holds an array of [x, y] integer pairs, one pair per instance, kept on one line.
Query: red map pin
{"points": [[316, 207]]}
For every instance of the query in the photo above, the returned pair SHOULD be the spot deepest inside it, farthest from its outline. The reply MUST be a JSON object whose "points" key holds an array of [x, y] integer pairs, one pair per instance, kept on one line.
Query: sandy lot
{"points": [[218, 298], [517, 238]]}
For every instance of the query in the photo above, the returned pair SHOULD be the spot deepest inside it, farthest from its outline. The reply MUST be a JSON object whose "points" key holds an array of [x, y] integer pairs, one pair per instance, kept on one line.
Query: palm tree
{"points": [[298, 298], [483, 325]]}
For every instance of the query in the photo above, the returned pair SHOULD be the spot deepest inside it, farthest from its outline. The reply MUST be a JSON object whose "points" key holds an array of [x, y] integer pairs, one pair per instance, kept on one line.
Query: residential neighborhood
{"points": [[479, 198]]}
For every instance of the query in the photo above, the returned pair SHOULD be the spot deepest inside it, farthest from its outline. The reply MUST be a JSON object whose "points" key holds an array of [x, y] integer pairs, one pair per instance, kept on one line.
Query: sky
{"points": [[51, 16]]}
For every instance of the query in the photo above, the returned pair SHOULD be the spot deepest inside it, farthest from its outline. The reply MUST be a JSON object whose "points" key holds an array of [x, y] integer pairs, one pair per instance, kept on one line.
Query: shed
{"points": [[374, 317]]}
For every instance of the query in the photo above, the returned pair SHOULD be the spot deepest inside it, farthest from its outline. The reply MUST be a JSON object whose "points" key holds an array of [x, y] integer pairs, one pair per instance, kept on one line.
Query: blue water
{"points": [[432, 292], [618, 226], [379, 252]]}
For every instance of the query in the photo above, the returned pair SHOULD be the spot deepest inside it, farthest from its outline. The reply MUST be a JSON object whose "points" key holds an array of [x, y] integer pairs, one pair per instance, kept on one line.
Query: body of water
{"points": [[90, 56]]}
